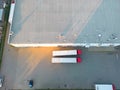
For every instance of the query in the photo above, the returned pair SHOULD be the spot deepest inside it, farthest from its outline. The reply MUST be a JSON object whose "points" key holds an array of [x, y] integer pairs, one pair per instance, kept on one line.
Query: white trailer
{"points": [[66, 60], [12, 8], [104, 87], [66, 52]]}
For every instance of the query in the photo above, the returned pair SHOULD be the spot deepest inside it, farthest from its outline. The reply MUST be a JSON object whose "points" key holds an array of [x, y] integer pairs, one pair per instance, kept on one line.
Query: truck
{"points": [[66, 60], [104, 87], [66, 52]]}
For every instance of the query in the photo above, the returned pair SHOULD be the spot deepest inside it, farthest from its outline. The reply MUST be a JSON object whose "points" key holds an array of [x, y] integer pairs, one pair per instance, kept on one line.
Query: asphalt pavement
{"points": [[22, 64]]}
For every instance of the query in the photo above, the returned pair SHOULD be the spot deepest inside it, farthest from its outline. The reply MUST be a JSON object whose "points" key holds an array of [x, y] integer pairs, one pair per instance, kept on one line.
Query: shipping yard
{"points": [[60, 44]]}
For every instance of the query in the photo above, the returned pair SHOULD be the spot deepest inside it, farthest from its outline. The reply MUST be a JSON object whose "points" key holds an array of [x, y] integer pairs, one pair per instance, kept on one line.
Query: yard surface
{"points": [[22, 64]]}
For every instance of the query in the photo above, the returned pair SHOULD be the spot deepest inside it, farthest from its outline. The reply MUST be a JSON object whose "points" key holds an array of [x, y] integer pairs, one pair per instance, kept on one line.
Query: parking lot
{"points": [[22, 64]]}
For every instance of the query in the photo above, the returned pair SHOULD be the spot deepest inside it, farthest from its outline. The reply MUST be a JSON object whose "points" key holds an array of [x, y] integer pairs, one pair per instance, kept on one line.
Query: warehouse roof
{"points": [[84, 22]]}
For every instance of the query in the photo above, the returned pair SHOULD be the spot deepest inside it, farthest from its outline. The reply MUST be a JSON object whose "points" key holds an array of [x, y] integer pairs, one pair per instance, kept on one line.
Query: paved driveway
{"points": [[22, 64]]}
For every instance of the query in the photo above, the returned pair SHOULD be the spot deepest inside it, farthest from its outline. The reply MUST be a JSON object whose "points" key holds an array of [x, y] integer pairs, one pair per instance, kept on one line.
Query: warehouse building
{"points": [[85, 23]]}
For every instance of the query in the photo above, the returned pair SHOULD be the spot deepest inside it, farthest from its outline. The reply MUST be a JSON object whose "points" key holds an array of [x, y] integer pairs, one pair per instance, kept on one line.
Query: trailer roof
{"points": [[66, 22], [103, 87]]}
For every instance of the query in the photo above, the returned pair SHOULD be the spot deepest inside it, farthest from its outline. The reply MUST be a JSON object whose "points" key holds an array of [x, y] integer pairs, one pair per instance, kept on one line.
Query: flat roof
{"points": [[1, 14], [66, 22]]}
